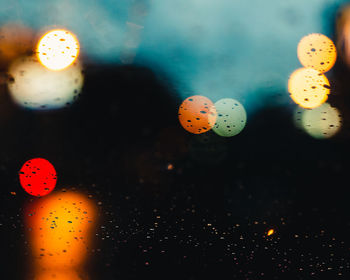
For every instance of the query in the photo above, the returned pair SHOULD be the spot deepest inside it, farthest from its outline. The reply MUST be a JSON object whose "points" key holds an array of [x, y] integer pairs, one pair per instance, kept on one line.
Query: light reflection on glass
{"points": [[134, 29], [132, 41], [59, 230]]}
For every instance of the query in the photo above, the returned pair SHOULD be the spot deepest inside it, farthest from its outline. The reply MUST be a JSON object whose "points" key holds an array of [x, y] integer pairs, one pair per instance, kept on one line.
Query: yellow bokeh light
{"points": [[317, 51], [308, 87], [57, 49], [270, 232]]}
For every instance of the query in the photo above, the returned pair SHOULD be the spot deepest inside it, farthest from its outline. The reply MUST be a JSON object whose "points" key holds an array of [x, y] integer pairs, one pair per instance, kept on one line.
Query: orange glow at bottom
{"points": [[59, 230], [57, 274]]}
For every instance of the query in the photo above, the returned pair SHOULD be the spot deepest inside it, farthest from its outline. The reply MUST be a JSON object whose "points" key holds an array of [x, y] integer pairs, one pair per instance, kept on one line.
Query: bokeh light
{"points": [[230, 119], [38, 177], [35, 87], [308, 87], [194, 114], [58, 274], [317, 51], [343, 34], [57, 49], [322, 122], [15, 40], [59, 228]]}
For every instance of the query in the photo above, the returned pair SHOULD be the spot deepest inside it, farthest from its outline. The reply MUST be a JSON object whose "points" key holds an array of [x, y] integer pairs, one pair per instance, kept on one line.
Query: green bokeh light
{"points": [[231, 117]]}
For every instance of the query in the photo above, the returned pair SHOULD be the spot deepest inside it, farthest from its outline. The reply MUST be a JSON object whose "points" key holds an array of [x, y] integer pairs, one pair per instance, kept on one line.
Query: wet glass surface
{"points": [[246, 183]]}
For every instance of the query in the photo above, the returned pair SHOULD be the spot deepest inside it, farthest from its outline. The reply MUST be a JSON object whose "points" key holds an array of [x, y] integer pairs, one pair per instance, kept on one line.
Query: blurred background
{"points": [[169, 203]]}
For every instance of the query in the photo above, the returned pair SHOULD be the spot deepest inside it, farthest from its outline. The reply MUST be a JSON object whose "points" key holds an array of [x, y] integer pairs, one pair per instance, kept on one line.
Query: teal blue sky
{"points": [[241, 49]]}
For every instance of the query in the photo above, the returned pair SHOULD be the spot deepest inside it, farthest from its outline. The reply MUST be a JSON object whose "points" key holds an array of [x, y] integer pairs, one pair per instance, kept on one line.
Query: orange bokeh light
{"points": [[194, 114], [308, 87], [317, 51], [57, 274], [15, 40], [343, 34], [60, 229]]}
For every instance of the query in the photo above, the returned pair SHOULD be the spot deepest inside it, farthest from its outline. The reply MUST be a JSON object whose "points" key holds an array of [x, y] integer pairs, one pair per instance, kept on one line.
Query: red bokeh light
{"points": [[38, 177]]}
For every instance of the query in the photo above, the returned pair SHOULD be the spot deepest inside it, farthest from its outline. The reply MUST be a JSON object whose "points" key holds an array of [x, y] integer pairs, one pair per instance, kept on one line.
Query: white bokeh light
{"points": [[57, 49], [322, 122], [230, 119], [33, 86]]}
